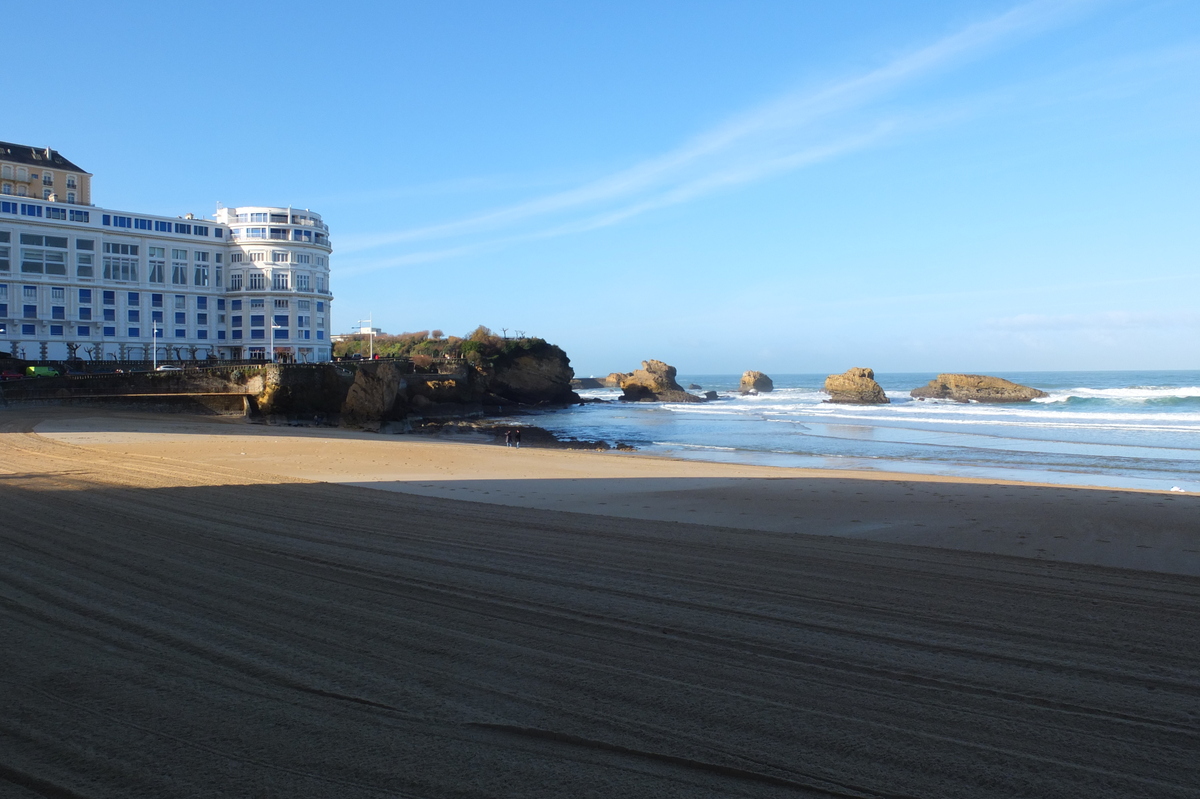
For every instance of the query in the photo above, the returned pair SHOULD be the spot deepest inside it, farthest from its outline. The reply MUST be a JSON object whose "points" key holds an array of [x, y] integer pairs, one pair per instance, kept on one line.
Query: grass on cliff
{"points": [[481, 346]]}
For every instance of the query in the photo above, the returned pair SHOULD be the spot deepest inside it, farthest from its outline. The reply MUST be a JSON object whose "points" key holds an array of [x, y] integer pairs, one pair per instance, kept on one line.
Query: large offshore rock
{"points": [[855, 386], [756, 382], [654, 382], [976, 388]]}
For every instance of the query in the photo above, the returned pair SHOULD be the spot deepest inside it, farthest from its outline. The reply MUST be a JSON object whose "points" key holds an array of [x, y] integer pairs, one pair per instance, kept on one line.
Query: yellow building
{"points": [[43, 174]]}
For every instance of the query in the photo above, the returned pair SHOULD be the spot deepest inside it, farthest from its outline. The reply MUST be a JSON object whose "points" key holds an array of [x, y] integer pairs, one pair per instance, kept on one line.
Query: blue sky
{"points": [[786, 186]]}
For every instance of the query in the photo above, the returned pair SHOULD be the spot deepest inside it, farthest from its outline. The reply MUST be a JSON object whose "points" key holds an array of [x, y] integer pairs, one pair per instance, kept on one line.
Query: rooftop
{"points": [[37, 156]]}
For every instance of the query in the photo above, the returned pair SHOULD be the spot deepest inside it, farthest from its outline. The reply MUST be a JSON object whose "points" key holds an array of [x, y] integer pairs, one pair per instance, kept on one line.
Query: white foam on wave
{"points": [[1131, 394]]}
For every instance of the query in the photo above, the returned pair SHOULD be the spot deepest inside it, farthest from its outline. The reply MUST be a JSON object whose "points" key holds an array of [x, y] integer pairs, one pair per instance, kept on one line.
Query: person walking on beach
{"points": [[508, 438], [517, 437]]}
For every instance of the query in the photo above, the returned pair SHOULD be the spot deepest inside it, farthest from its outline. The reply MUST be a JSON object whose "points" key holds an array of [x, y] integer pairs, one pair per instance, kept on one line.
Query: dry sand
{"points": [[186, 611]]}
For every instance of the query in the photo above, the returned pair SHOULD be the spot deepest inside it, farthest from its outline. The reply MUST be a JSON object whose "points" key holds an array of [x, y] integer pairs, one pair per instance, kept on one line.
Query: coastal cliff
{"points": [[855, 386], [976, 388]]}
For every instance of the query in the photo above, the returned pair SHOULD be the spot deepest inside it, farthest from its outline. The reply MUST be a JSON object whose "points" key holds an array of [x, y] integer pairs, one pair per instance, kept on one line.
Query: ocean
{"points": [[1116, 429]]}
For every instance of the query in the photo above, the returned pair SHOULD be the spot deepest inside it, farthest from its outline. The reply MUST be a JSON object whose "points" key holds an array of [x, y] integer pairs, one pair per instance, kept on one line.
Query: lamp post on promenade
{"points": [[154, 347]]}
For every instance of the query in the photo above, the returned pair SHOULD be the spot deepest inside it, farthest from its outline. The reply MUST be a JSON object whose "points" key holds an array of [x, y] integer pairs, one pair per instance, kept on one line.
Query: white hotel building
{"points": [[95, 283]]}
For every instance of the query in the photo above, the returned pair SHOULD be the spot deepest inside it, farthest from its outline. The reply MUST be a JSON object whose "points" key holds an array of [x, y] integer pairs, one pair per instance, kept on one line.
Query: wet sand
{"points": [[183, 619]]}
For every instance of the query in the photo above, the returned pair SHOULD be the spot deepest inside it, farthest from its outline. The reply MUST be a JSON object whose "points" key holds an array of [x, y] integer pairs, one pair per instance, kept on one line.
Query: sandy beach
{"points": [[199, 607]]}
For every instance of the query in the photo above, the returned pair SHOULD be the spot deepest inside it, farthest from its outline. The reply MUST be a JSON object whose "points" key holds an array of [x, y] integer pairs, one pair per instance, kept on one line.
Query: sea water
{"points": [[1119, 429]]}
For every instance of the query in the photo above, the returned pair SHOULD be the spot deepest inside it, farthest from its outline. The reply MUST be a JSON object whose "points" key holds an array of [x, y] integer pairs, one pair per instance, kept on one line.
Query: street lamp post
{"points": [[154, 348], [370, 332]]}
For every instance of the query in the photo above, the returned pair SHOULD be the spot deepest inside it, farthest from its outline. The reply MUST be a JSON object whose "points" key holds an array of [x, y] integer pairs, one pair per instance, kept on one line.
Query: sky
{"points": [[778, 185]]}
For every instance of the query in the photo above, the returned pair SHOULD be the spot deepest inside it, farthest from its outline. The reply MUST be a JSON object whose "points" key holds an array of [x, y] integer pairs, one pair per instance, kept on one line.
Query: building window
{"points": [[58, 312], [135, 315], [281, 334], [56, 330], [279, 281], [78, 216], [135, 332], [84, 331], [235, 258], [85, 296], [5, 262], [180, 332], [256, 304], [257, 320], [28, 330], [256, 232], [156, 316], [162, 227], [257, 281], [39, 262], [201, 275], [257, 335], [237, 335], [85, 314], [109, 331], [181, 227], [258, 256], [56, 213], [6, 189], [46, 196], [179, 273], [29, 292], [180, 302], [47, 178], [110, 314], [120, 261], [142, 224], [71, 199], [71, 182], [279, 257], [302, 282], [29, 312], [156, 300], [200, 230], [236, 321], [235, 281], [281, 303], [235, 305]]}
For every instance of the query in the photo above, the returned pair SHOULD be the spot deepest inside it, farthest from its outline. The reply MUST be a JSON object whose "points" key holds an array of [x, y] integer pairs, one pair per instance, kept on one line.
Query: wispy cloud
{"points": [[794, 131], [1104, 320]]}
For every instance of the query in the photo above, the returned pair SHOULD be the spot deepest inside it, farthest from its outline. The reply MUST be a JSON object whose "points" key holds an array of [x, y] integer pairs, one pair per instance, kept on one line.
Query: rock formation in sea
{"points": [[614, 379], [654, 382], [976, 388], [755, 383], [855, 386], [695, 387]]}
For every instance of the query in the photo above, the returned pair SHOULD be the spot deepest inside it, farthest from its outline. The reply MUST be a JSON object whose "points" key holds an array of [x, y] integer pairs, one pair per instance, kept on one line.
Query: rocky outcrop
{"points": [[540, 375], [654, 382], [756, 383], [976, 388], [587, 382], [855, 386], [372, 396], [614, 379]]}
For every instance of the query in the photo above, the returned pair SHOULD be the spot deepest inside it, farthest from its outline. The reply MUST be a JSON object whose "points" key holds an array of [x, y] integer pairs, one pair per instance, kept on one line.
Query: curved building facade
{"points": [[277, 283]]}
